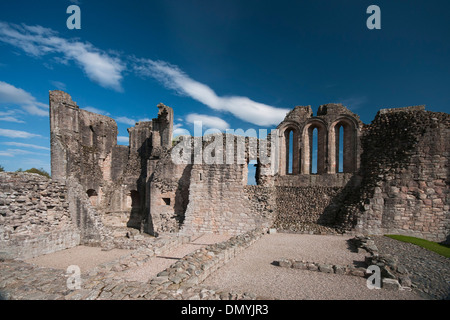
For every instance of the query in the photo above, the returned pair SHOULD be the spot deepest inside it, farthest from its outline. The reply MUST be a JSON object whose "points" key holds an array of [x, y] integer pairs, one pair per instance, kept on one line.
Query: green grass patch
{"points": [[442, 249]]}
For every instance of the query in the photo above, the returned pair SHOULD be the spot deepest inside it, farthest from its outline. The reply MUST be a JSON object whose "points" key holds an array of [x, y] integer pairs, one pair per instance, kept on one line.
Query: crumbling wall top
{"points": [[404, 109], [58, 96]]}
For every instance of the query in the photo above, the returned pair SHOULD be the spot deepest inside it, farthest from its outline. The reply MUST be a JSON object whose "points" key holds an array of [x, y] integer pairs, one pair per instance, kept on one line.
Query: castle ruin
{"points": [[392, 176]]}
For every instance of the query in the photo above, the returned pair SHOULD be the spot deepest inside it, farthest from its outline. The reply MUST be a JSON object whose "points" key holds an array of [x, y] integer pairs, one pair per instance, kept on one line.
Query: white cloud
{"points": [[17, 134], [99, 66], [123, 139], [126, 120], [130, 121], [59, 85], [354, 103], [179, 131], [241, 107], [207, 121], [6, 154], [98, 111], [25, 145], [11, 119], [106, 69], [15, 152], [9, 94]]}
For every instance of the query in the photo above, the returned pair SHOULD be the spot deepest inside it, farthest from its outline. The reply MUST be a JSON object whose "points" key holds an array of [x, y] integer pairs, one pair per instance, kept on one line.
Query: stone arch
{"points": [[93, 197], [307, 146], [349, 145], [286, 156]]}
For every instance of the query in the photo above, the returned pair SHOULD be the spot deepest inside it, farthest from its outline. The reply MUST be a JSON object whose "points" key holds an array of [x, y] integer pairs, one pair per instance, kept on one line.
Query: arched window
{"points": [[313, 159], [290, 151], [340, 150], [342, 146], [290, 165], [314, 151]]}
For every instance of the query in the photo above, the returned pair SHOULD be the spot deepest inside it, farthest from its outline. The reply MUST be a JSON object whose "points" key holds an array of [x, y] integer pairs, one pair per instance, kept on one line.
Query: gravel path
{"points": [[157, 264], [85, 257], [430, 272], [253, 271]]}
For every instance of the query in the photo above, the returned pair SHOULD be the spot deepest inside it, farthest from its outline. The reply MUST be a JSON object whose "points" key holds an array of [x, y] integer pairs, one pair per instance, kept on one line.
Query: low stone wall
{"points": [[34, 216], [393, 275], [197, 266], [181, 280], [321, 267], [156, 246]]}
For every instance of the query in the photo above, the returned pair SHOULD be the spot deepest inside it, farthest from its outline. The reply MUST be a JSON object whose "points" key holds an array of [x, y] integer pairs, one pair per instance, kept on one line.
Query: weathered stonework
{"points": [[391, 177], [35, 217]]}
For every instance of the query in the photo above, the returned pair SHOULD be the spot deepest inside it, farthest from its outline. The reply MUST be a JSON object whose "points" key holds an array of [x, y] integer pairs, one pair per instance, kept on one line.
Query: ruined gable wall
{"points": [[220, 200], [405, 169]]}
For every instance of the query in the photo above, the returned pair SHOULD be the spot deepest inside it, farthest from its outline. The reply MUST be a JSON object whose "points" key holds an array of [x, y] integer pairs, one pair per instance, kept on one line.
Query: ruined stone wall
{"points": [[169, 195], [217, 202], [307, 209], [35, 217], [299, 126], [262, 202], [405, 169], [84, 147], [316, 180]]}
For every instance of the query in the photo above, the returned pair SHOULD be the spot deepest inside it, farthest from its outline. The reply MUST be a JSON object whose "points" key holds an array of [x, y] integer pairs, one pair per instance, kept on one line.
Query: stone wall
{"points": [[34, 216], [307, 209], [217, 202], [405, 170]]}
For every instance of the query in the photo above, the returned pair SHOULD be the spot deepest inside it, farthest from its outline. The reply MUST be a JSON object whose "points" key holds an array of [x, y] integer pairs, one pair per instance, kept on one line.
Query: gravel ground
{"points": [[157, 264], [253, 271], [430, 272], [86, 258]]}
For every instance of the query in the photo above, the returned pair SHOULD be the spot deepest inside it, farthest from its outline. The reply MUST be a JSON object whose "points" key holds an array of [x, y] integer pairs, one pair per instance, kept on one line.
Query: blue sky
{"points": [[232, 64]]}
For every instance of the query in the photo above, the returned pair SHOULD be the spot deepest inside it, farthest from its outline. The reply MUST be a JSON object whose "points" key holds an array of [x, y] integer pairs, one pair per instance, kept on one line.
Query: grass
{"points": [[441, 249]]}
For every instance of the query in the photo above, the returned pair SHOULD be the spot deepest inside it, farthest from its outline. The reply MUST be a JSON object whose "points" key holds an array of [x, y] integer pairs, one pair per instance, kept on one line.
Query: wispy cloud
{"points": [[17, 134], [98, 111], [59, 85], [10, 116], [241, 107], [123, 139], [107, 68], [99, 66], [354, 102], [14, 152], [25, 145], [126, 120], [208, 121], [9, 94], [178, 130], [130, 121]]}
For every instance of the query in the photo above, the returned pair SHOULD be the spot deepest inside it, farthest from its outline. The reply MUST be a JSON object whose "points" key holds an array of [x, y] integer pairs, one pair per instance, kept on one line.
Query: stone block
{"points": [[326, 268], [339, 269], [299, 265], [390, 284], [285, 263]]}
